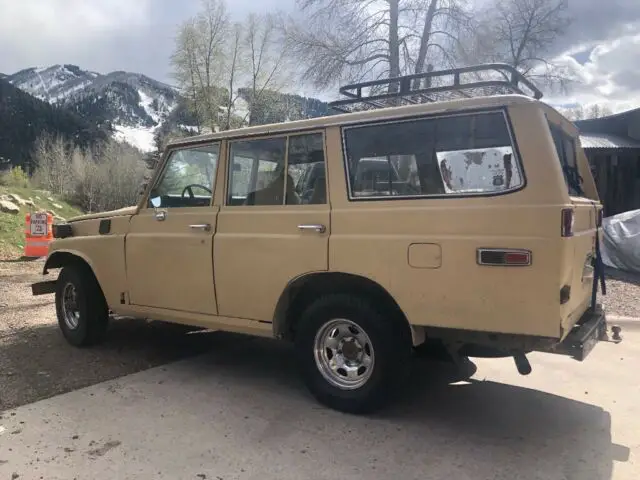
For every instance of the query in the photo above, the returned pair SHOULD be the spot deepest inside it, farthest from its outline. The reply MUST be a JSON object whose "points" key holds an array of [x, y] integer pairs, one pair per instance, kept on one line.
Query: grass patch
{"points": [[12, 226]]}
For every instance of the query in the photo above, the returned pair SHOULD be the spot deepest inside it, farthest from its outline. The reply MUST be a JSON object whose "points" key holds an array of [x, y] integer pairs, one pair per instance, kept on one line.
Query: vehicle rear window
{"points": [[566, 149], [453, 155]]}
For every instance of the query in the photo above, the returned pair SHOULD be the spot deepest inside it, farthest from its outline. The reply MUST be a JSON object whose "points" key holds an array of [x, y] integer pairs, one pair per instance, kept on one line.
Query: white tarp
{"points": [[621, 241]]}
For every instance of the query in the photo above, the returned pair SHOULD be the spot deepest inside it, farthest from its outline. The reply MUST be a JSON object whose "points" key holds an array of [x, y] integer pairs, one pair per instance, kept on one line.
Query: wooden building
{"points": [[612, 145]]}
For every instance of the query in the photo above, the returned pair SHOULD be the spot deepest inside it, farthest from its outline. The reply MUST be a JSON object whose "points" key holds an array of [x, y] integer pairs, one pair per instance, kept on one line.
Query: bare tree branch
{"points": [[521, 33], [353, 40]]}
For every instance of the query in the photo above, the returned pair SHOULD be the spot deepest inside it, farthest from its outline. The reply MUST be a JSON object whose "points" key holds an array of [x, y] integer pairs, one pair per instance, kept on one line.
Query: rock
{"points": [[15, 198], [56, 205], [53, 213], [8, 207], [59, 219], [29, 203], [50, 199], [38, 198]]}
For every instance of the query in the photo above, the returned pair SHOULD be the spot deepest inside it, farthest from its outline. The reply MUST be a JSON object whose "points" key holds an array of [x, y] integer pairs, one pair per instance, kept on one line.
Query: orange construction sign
{"points": [[38, 234]]}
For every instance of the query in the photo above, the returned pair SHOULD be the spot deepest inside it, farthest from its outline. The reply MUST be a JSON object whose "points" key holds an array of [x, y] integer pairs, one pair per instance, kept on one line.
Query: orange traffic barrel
{"points": [[38, 234]]}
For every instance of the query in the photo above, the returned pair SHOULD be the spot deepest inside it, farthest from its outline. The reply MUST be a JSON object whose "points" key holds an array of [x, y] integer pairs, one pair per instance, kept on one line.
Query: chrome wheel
{"points": [[344, 354], [70, 309]]}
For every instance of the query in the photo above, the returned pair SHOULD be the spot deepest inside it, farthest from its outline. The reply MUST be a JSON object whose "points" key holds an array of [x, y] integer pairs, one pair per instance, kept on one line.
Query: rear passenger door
{"points": [[273, 226]]}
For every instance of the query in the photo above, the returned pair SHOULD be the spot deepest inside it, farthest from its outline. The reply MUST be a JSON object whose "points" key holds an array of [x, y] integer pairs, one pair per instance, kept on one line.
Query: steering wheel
{"points": [[189, 188]]}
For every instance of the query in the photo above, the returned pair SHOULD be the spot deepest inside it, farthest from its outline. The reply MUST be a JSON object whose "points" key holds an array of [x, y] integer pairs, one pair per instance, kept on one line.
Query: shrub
{"points": [[16, 177], [107, 178]]}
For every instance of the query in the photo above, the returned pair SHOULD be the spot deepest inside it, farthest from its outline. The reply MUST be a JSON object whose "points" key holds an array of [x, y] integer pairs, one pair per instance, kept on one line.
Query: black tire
{"points": [[391, 342], [93, 312]]}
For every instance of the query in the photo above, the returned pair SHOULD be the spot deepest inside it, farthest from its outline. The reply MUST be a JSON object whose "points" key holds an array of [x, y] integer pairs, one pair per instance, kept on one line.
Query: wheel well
{"points": [[301, 292], [63, 259]]}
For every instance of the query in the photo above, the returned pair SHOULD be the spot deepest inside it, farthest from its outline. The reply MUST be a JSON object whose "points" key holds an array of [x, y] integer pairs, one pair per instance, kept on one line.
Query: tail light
{"points": [[568, 220], [504, 257]]}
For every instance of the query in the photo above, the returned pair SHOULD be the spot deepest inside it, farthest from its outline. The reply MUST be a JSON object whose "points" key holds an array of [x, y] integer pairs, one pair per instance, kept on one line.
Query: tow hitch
{"points": [[615, 330]]}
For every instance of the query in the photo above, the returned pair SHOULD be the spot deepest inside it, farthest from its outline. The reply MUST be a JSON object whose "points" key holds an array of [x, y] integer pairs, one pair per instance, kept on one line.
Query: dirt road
{"points": [[36, 362]]}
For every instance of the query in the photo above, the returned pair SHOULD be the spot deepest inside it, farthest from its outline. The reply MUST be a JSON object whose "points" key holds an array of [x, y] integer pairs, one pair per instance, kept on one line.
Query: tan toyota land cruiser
{"points": [[464, 218]]}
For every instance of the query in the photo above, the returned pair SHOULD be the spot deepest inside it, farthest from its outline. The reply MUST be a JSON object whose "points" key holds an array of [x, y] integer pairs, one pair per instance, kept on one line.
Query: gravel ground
{"points": [[623, 294], [36, 362]]}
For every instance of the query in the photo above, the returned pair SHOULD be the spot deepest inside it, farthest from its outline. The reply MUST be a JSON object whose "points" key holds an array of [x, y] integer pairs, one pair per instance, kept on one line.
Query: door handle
{"points": [[205, 227], [315, 228], [161, 216]]}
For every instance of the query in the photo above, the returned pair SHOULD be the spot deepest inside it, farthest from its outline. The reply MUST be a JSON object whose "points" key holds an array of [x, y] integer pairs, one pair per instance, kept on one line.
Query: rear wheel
{"points": [[82, 311], [353, 358]]}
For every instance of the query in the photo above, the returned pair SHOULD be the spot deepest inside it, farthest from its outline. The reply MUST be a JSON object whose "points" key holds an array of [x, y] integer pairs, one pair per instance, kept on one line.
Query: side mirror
{"points": [[156, 202]]}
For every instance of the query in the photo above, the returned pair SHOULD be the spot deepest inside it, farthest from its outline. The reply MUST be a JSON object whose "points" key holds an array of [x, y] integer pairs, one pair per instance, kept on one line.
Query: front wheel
{"points": [[82, 311], [353, 358]]}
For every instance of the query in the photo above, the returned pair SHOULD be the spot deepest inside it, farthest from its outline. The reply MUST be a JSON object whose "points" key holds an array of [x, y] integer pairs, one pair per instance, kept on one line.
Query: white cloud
{"points": [[610, 76]]}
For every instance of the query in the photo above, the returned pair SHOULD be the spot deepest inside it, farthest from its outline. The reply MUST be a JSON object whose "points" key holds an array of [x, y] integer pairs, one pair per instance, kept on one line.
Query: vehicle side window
{"points": [[463, 154], [187, 180], [565, 147], [257, 171], [306, 167]]}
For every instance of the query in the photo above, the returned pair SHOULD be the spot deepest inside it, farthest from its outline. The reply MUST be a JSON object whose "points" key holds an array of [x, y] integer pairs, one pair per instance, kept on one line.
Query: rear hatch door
{"points": [[580, 221]]}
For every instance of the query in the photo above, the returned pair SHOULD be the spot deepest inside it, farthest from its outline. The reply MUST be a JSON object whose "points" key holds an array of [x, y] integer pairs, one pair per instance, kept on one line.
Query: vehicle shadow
{"points": [[38, 363], [474, 429], [464, 430]]}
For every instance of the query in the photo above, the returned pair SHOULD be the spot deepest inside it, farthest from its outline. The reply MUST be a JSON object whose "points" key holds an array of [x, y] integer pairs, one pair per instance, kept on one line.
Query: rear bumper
{"points": [[585, 335]]}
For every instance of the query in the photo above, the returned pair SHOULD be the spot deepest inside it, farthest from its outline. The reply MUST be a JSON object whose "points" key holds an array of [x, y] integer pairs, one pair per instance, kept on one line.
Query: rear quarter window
{"points": [[566, 150], [468, 154]]}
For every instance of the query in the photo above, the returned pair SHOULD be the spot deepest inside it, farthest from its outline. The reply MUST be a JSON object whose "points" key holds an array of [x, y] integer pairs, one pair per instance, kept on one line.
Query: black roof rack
{"points": [[473, 81]]}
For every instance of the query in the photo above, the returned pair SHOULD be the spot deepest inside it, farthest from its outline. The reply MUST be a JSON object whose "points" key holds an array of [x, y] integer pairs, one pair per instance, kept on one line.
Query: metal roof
{"points": [[607, 141]]}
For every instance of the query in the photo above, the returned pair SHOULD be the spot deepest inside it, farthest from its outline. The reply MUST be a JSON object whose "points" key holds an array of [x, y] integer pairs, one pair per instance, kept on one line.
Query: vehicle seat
{"points": [[319, 196], [272, 194]]}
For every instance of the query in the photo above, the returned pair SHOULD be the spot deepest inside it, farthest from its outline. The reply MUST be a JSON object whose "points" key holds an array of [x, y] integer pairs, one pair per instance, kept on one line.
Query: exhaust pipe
{"points": [[522, 363]]}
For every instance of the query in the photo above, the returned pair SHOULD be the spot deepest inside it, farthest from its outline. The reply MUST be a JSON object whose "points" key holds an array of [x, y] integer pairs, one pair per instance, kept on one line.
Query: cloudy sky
{"points": [[602, 47], [603, 50]]}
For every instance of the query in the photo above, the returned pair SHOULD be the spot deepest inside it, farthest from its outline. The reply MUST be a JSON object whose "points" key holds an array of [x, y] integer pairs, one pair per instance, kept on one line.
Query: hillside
{"points": [[23, 118], [276, 107], [12, 226]]}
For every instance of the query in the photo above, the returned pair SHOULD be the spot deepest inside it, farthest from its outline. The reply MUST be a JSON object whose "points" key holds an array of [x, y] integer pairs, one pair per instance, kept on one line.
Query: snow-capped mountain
{"points": [[140, 110], [52, 84], [134, 105]]}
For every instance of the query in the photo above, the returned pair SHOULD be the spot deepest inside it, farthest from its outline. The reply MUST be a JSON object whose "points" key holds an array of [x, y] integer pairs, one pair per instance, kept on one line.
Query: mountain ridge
{"points": [[131, 105], [23, 118], [140, 110]]}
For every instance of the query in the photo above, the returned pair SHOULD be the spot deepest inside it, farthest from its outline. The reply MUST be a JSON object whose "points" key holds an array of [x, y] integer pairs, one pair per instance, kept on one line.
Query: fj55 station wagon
{"points": [[426, 218]]}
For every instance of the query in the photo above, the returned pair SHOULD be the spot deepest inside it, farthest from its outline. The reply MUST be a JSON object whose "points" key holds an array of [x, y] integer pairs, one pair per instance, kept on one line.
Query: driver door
{"points": [[169, 247]]}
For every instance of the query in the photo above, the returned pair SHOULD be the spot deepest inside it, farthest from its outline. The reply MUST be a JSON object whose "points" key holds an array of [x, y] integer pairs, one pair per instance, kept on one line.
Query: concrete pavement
{"points": [[240, 412]]}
